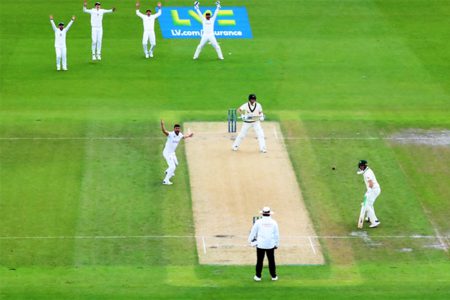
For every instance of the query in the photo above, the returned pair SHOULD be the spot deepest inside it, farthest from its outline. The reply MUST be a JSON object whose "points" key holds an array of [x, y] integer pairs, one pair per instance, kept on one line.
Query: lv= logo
{"points": [[187, 22]]}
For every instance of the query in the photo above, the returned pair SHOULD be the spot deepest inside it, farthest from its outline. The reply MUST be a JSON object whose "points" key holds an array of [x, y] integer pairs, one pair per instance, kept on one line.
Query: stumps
{"points": [[232, 118]]}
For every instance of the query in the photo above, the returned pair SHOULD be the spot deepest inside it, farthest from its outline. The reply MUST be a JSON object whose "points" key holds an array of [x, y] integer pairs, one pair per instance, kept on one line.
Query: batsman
{"points": [[252, 115], [373, 191]]}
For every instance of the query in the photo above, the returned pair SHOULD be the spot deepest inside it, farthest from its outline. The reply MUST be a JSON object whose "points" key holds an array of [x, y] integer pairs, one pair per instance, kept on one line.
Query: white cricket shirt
{"points": [[96, 15], [60, 35], [148, 21], [172, 142], [208, 25], [265, 230], [369, 175], [251, 110]]}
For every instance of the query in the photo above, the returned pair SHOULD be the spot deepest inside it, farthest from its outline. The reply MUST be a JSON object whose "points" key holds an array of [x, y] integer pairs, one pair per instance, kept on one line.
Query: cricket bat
{"points": [[254, 243], [256, 218], [362, 213]]}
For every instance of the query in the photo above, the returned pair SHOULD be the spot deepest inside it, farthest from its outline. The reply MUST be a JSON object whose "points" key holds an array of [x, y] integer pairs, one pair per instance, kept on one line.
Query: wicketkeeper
{"points": [[208, 30]]}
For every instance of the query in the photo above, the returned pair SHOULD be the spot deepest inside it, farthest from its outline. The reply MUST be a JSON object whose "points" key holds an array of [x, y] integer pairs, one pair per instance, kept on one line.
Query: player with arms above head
{"points": [[208, 30], [373, 191], [97, 27], [60, 43], [149, 28], [173, 139], [252, 115]]}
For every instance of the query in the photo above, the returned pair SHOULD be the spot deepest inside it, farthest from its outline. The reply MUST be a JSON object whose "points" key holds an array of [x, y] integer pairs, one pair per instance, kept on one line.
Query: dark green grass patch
{"points": [[369, 281]]}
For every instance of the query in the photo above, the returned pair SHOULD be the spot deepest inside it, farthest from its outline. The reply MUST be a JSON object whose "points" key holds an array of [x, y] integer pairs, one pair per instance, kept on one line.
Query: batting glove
{"points": [[261, 117], [243, 117], [218, 4]]}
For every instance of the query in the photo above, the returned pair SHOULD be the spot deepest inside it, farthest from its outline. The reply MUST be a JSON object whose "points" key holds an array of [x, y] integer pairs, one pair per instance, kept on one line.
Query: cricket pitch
{"points": [[230, 187]]}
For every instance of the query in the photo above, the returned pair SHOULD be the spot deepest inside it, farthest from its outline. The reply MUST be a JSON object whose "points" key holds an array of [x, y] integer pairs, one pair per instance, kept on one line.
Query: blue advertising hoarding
{"points": [[184, 23]]}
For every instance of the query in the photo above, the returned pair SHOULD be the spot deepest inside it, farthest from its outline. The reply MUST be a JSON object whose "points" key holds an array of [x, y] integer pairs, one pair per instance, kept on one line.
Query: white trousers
{"points": [[148, 36], [371, 195], [97, 35], [172, 162], [61, 56], [259, 133], [211, 38]]}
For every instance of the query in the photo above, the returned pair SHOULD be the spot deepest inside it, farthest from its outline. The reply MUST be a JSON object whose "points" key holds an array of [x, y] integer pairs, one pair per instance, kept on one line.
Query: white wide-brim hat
{"points": [[266, 210]]}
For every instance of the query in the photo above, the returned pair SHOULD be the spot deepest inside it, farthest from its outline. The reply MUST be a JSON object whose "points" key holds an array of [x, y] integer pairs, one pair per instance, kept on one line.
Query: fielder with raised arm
{"points": [[173, 139], [149, 28], [208, 30], [251, 114], [60, 43], [373, 191], [97, 27]]}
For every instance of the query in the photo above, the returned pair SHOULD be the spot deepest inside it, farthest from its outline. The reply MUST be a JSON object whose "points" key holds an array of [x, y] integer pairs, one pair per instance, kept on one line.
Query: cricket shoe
{"points": [[275, 278], [374, 225], [263, 151], [99, 57], [256, 278], [94, 57], [146, 55], [151, 54], [234, 148], [167, 182]]}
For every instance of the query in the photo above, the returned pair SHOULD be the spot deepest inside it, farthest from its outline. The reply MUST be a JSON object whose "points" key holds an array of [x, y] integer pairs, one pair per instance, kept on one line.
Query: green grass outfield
{"points": [[83, 214]]}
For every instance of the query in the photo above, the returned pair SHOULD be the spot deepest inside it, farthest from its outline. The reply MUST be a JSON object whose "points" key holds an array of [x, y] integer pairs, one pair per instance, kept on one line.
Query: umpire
{"points": [[265, 236]]}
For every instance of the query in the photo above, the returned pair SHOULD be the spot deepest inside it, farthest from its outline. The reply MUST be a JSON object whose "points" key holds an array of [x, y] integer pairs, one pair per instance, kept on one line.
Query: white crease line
{"points": [[442, 237], [204, 245], [441, 240], [275, 133], [215, 135], [95, 237], [107, 138], [312, 246]]}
